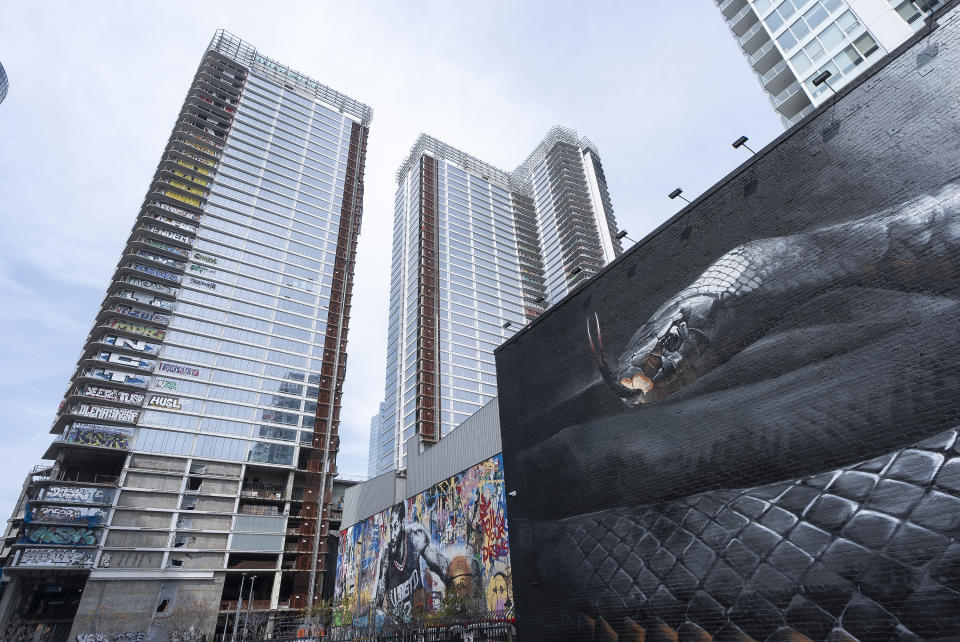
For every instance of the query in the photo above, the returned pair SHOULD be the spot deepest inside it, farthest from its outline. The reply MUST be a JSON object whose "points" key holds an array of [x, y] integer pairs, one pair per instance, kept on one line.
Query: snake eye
{"points": [[673, 340]]}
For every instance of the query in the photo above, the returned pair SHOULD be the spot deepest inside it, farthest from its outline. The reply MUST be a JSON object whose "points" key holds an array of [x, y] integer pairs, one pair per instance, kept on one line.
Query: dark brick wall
{"points": [[799, 475]]}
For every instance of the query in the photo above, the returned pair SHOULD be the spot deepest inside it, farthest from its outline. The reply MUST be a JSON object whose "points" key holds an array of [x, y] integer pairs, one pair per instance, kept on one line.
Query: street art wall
{"points": [[448, 540], [746, 427]]}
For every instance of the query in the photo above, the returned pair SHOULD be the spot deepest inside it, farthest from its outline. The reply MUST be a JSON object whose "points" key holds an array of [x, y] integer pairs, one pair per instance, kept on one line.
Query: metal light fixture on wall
{"points": [[742, 142], [675, 193], [822, 79]]}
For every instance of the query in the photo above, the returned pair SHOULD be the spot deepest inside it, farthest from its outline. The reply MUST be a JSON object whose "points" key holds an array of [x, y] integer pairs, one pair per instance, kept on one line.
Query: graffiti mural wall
{"points": [[450, 540], [746, 428]]}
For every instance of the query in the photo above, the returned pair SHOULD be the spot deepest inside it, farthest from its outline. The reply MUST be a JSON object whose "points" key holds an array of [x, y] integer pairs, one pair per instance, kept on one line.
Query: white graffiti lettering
{"points": [[77, 494], [56, 557], [105, 412], [170, 403], [112, 394]]}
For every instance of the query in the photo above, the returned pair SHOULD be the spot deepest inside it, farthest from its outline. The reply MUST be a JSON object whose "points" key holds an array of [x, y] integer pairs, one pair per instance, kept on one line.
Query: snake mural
{"points": [[784, 463]]}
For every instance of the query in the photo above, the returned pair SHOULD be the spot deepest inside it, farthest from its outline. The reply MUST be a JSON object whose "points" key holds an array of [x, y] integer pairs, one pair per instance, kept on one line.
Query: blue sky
{"points": [[661, 88]]}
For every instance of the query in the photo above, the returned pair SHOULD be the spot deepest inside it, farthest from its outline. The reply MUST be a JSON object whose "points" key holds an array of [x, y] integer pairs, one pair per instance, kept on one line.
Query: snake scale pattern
{"points": [[865, 552]]}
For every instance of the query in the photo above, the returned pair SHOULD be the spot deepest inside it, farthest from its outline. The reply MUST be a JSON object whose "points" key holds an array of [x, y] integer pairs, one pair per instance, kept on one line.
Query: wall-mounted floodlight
{"points": [[742, 142], [822, 79], [575, 271], [675, 193], [621, 234], [506, 324], [541, 299]]}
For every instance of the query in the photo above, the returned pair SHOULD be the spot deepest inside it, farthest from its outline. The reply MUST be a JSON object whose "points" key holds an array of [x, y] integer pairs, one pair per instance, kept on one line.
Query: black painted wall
{"points": [[800, 474]]}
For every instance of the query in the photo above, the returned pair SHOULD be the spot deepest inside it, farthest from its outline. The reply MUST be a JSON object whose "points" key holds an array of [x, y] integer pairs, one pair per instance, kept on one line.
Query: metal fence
{"points": [[468, 627]]}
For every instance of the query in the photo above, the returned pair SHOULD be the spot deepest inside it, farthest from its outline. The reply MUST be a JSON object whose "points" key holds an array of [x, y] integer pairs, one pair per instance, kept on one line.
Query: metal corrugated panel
{"points": [[243, 542], [259, 524], [370, 497], [476, 439]]}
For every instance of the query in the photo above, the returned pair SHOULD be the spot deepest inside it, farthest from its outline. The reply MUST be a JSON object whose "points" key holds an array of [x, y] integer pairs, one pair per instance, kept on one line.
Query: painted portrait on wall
{"points": [[443, 548]]}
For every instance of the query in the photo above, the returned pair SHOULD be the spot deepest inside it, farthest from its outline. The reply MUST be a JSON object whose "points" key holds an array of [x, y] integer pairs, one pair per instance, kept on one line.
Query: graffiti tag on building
{"points": [[68, 514], [63, 535], [102, 436], [105, 412], [150, 285], [168, 403], [56, 557], [176, 368], [117, 376], [137, 328], [113, 357], [77, 494], [113, 394], [133, 344]]}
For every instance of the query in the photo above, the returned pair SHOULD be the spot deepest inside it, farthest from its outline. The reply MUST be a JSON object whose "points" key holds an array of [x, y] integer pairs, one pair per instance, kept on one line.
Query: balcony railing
{"points": [[773, 72], [261, 491], [750, 33], [761, 52]]}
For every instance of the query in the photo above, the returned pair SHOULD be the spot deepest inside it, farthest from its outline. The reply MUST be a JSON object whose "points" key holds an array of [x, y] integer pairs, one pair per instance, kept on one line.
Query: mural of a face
{"points": [[396, 527], [498, 593]]}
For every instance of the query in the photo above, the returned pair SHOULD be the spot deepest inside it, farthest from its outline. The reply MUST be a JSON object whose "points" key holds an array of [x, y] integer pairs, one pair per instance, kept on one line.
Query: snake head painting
{"points": [[746, 292], [664, 354]]}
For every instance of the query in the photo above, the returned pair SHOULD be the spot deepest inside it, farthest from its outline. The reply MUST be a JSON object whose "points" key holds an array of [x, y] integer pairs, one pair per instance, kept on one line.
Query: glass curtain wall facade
{"points": [[205, 407], [477, 253], [789, 43]]}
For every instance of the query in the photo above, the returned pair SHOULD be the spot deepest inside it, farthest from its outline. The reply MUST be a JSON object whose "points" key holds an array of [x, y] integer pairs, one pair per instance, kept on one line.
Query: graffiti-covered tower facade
{"points": [[196, 445]]}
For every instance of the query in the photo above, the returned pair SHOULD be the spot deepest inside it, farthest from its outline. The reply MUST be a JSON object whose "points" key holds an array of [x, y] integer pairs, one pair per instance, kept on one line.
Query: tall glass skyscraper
{"points": [[196, 444], [477, 253], [789, 43]]}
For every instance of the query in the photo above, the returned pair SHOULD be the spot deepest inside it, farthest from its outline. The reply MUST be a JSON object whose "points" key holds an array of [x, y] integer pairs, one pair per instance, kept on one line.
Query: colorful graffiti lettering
{"points": [[100, 436], [69, 535], [451, 537], [164, 247], [149, 269], [176, 368], [137, 328], [141, 314]]}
